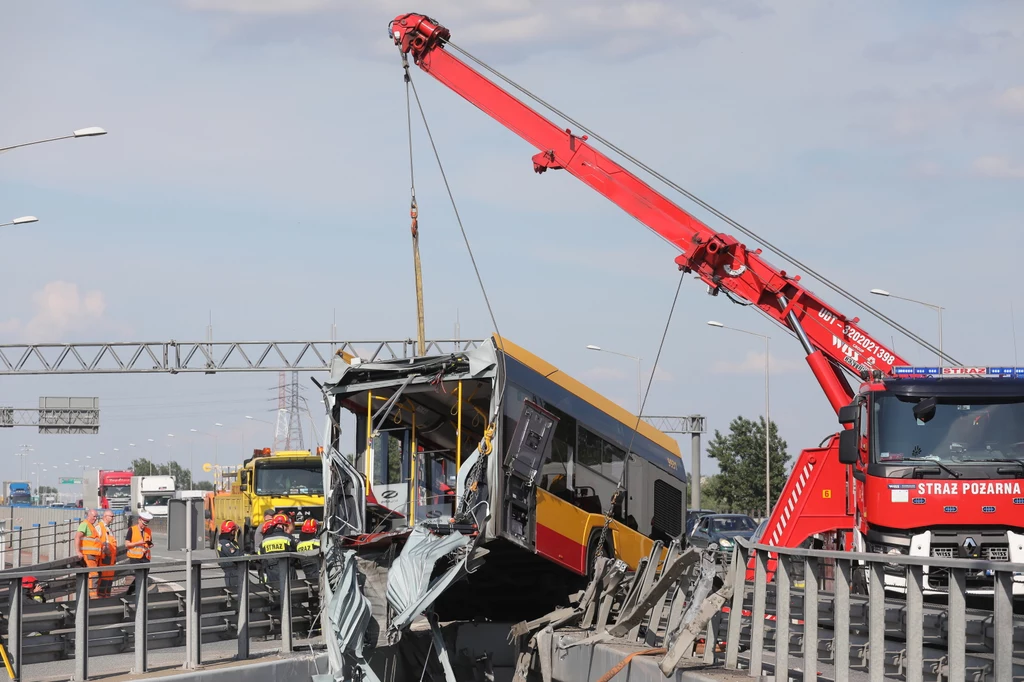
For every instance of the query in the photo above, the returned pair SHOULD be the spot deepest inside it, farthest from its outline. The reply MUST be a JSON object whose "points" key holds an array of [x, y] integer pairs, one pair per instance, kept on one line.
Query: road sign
{"points": [[69, 415], [70, 481], [207, 468]]}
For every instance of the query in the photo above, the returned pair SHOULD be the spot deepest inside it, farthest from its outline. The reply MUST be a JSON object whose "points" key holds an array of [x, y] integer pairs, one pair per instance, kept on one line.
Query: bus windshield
{"points": [[959, 432], [294, 479]]}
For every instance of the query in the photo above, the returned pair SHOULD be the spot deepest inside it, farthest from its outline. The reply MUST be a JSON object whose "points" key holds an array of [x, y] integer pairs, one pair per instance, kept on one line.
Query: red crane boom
{"points": [[830, 339]]}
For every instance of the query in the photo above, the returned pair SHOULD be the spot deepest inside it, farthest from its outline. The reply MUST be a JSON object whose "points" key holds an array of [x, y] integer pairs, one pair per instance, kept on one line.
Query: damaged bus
{"points": [[496, 443]]}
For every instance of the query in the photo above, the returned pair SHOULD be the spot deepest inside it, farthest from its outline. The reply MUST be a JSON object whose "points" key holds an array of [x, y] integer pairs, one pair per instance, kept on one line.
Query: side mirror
{"points": [[243, 487], [849, 453], [207, 515], [925, 409], [848, 414]]}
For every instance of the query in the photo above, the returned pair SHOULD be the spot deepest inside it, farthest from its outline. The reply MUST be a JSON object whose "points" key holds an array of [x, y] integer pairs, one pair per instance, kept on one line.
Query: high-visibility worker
{"points": [[108, 555], [276, 540], [227, 546], [309, 541], [89, 547], [139, 541]]}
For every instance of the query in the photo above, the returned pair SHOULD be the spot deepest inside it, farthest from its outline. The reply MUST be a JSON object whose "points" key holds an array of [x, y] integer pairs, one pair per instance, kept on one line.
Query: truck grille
{"points": [[944, 552], [995, 553]]}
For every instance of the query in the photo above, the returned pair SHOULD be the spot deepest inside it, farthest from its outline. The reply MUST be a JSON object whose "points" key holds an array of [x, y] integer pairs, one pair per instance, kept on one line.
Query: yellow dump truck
{"points": [[290, 482]]}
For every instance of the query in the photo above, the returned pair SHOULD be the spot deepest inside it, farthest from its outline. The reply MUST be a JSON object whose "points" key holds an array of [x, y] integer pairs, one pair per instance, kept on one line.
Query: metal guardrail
{"points": [[871, 655], [199, 617], [45, 542], [688, 606]]}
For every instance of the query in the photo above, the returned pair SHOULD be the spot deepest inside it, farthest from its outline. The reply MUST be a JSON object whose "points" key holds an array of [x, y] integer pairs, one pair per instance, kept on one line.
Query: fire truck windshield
{"points": [[295, 479], [117, 492], [962, 430]]}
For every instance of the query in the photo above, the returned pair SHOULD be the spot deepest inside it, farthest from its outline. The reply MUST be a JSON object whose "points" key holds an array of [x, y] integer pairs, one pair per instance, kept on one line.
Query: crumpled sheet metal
{"points": [[346, 616], [410, 591]]}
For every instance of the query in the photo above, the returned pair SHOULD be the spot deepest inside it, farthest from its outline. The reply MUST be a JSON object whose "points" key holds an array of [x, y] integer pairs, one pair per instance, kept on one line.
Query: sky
{"points": [[256, 173]]}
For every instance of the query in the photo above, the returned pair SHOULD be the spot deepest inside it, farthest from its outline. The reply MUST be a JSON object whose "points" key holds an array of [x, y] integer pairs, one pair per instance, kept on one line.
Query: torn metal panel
{"points": [[411, 592], [344, 620]]}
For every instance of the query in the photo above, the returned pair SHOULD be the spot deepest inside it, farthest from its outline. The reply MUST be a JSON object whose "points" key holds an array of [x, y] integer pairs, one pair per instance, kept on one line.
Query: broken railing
{"points": [[686, 608]]}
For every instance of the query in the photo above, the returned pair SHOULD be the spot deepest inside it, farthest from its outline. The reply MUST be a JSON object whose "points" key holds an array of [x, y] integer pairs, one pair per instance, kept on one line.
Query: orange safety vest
{"points": [[142, 551], [111, 540], [92, 545]]}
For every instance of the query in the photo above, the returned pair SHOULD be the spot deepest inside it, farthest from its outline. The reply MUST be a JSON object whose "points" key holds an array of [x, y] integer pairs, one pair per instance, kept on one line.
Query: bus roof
{"points": [[557, 376]]}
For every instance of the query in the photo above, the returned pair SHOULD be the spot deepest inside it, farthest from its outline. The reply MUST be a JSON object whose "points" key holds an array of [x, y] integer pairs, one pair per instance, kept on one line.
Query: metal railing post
{"points": [[285, 566], [194, 613], [81, 626], [141, 621], [876, 619], [739, 576], [3, 545], [71, 536], [16, 546], [841, 619], [14, 627], [957, 629], [915, 624], [52, 526], [758, 612], [782, 617], [242, 627], [35, 549], [810, 612], [1002, 622]]}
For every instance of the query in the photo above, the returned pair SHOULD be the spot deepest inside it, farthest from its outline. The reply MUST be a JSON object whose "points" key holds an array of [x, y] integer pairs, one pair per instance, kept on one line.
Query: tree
{"points": [[202, 485], [739, 486], [182, 476], [46, 490]]}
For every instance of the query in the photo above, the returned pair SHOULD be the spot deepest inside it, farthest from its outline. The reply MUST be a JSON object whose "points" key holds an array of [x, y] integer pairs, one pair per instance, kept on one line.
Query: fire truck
{"points": [[930, 460]]}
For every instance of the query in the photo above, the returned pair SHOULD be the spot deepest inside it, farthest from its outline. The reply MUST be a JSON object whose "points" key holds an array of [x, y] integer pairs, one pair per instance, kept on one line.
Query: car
{"points": [[693, 516], [721, 530]]}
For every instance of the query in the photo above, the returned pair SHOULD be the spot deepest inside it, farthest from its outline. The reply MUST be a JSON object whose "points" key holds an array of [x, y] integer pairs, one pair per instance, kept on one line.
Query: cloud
{"points": [[950, 41], [621, 28], [926, 169], [604, 374], [1011, 100], [59, 308], [753, 363], [996, 167]]}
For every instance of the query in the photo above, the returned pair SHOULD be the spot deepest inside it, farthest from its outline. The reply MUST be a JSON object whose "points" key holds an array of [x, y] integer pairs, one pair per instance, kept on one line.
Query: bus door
{"points": [[529, 448], [435, 485], [390, 466]]}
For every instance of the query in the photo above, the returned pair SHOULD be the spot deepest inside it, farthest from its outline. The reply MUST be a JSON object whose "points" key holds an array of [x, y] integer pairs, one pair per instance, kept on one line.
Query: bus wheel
{"points": [[592, 545]]}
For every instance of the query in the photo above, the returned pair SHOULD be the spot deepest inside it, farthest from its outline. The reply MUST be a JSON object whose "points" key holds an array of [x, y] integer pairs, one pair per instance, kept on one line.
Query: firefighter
{"points": [[32, 590], [309, 541], [139, 543], [227, 546], [108, 556], [275, 541], [89, 546]]}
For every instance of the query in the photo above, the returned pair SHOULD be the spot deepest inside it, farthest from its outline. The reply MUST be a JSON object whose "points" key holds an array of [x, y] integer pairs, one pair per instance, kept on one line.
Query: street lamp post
{"points": [[23, 220], [767, 417], [215, 447], [936, 308], [81, 132], [639, 404]]}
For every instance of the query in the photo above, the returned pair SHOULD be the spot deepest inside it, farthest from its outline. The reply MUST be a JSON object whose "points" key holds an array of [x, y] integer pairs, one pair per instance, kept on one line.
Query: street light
{"points": [[82, 132], [767, 418], [936, 308], [639, 404], [23, 220]]}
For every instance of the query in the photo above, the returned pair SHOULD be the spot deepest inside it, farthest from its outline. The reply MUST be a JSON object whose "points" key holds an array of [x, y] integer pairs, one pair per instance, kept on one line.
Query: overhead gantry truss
{"points": [[208, 357]]}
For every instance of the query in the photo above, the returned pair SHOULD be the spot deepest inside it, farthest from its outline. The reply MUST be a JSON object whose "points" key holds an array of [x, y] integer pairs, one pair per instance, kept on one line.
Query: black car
{"points": [[721, 529]]}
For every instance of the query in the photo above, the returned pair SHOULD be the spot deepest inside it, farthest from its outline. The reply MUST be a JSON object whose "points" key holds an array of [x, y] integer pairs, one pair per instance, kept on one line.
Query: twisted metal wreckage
{"points": [[669, 603]]}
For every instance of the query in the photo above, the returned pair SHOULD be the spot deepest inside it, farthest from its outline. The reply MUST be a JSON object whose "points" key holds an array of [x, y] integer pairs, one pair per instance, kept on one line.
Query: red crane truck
{"points": [[931, 460]]}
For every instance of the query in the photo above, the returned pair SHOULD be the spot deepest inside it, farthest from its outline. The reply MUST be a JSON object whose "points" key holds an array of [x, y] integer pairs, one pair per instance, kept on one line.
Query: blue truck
{"points": [[18, 494]]}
